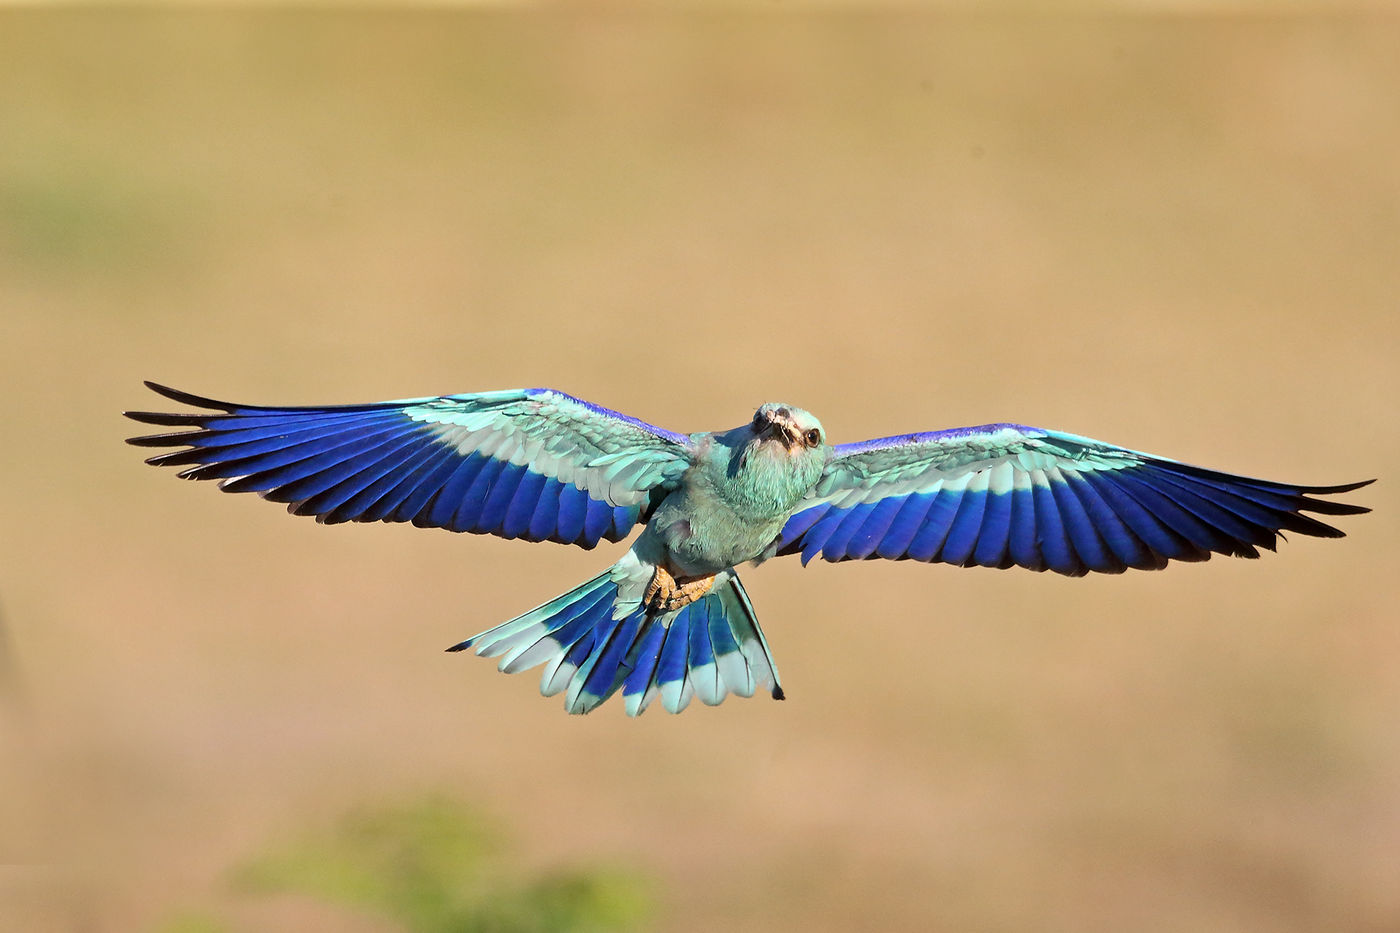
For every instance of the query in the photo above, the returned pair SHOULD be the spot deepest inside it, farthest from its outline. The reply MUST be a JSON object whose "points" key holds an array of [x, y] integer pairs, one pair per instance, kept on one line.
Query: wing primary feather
{"points": [[239, 436], [521, 509], [1122, 543], [1060, 556], [1023, 544], [1265, 508], [299, 489], [1083, 535], [495, 502], [1243, 536], [472, 500], [393, 470], [994, 539], [422, 477], [544, 520], [443, 502], [285, 464], [1160, 539], [1171, 514], [327, 503]]}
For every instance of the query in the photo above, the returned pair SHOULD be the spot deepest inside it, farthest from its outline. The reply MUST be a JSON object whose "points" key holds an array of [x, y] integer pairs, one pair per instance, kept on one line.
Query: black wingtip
{"points": [[175, 419], [165, 419], [1328, 506], [189, 398], [461, 645], [1344, 487], [778, 693]]}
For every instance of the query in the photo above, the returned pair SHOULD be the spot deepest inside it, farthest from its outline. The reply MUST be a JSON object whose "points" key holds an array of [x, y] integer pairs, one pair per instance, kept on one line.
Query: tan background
{"points": [[1181, 234]]}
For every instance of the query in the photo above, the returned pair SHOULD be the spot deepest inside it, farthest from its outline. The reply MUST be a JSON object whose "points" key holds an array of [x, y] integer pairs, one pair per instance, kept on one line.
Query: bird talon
{"points": [[665, 593]]}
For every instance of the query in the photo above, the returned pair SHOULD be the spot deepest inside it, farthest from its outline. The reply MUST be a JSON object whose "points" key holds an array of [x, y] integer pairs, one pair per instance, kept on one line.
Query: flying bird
{"points": [[671, 620]]}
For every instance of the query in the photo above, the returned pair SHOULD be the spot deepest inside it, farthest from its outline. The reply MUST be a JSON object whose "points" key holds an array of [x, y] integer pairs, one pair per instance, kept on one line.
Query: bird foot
{"points": [[665, 593]]}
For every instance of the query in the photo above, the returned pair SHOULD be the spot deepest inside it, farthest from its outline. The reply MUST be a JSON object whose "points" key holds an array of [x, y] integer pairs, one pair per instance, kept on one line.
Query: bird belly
{"points": [[704, 541]]}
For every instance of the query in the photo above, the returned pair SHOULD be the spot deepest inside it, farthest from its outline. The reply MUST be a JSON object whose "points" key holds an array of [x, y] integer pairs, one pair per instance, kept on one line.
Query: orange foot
{"points": [[665, 593]]}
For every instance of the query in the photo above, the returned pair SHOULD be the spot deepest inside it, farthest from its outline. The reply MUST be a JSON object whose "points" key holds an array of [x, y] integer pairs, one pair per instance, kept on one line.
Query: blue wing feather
{"points": [[1054, 538], [1122, 544], [965, 528], [1023, 544], [354, 494], [929, 538], [874, 529], [1072, 505], [418, 490], [847, 524], [533, 463], [441, 510], [1241, 535], [573, 508], [472, 505], [803, 520], [1083, 536], [1180, 520], [521, 508], [994, 538], [904, 525], [1161, 543]]}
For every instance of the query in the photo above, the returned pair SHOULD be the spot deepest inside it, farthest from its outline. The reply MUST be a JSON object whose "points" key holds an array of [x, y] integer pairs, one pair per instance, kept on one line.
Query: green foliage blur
{"points": [[433, 866]]}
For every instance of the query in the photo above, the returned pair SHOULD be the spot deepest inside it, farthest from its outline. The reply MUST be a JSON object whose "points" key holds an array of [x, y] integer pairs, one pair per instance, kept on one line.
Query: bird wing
{"points": [[1002, 495], [529, 463]]}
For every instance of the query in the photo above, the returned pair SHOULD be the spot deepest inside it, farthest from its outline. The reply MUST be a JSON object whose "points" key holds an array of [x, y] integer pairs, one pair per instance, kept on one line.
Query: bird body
{"points": [[671, 620], [738, 492]]}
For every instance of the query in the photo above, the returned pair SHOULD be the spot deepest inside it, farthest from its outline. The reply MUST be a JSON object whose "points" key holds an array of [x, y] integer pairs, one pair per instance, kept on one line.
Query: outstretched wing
{"points": [[527, 463], [1003, 495]]}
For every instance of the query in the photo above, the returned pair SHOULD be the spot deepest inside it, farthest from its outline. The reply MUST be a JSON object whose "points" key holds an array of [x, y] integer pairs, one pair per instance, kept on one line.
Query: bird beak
{"points": [[782, 431]]}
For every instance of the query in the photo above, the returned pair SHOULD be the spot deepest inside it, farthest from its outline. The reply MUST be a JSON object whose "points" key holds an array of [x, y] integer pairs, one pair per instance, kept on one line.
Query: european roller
{"points": [[670, 620]]}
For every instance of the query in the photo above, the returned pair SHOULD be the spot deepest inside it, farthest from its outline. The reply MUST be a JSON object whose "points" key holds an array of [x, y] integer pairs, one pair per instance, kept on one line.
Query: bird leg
{"points": [[665, 593]]}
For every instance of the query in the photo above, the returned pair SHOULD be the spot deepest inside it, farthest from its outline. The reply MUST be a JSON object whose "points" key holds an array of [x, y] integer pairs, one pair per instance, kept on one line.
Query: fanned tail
{"points": [[596, 639]]}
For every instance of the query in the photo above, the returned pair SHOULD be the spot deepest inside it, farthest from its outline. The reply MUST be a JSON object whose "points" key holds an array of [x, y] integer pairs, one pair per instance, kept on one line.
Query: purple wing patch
{"points": [[663, 433], [924, 437]]}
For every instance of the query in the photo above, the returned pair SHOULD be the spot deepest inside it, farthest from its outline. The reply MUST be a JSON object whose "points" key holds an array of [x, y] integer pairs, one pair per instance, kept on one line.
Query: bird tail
{"points": [[597, 639]]}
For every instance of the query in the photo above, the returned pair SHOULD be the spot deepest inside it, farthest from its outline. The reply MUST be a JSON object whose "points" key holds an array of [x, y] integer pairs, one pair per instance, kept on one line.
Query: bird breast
{"points": [[730, 506]]}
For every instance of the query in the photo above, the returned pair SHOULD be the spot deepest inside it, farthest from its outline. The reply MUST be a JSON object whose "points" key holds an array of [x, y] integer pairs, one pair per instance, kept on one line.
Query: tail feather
{"points": [[596, 640]]}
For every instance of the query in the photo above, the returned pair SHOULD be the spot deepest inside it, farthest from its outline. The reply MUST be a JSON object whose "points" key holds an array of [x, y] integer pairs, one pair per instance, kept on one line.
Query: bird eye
{"points": [[814, 437], [758, 419]]}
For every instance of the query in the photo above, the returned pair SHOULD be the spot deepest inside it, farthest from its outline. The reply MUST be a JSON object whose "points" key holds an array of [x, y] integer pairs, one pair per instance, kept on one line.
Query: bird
{"points": [[670, 620]]}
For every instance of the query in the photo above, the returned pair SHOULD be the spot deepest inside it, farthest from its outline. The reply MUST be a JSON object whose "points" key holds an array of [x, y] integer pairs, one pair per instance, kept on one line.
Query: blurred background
{"points": [[1173, 229]]}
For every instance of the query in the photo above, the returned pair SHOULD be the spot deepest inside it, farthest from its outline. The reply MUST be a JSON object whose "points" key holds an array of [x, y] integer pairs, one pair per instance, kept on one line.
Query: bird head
{"points": [[794, 430]]}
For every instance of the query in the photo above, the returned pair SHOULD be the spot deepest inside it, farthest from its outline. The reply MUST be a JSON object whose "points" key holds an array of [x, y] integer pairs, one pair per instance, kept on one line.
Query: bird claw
{"points": [[665, 593]]}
